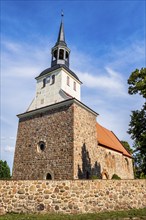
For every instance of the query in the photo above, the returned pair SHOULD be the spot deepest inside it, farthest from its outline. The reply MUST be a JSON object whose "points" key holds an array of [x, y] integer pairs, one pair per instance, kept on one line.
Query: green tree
{"points": [[4, 170], [127, 146], [137, 125], [137, 82]]}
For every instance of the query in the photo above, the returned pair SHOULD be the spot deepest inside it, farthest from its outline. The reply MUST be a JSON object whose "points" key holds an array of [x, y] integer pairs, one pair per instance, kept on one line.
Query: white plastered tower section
{"points": [[57, 83]]}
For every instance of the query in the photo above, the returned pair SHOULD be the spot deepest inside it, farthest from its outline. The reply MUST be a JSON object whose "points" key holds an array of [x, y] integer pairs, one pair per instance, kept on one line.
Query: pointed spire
{"points": [[61, 35], [60, 52]]}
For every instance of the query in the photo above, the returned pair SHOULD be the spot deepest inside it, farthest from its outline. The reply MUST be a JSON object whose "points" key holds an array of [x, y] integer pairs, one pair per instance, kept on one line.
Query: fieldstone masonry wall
{"points": [[75, 196], [91, 159], [70, 151], [85, 144], [55, 129]]}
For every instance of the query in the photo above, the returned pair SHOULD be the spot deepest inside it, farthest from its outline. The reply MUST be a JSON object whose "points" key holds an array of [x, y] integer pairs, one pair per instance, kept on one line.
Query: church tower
{"points": [[58, 82], [52, 125]]}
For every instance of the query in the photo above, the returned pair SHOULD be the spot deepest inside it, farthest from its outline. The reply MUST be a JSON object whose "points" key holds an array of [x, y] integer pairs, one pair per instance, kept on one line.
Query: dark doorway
{"points": [[48, 176], [87, 175]]}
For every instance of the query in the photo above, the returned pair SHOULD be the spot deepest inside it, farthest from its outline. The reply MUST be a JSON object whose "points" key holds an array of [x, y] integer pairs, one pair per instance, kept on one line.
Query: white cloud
{"points": [[6, 138], [123, 58], [25, 61], [19, 72], [12, 138], [110, 81], [9, 149], [5, 120], [11, 46], [131, 56]]}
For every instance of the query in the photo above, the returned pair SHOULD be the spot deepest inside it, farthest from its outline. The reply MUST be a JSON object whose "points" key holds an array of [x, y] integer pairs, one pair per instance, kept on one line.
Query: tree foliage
{"points": [[127, 146], [138, 129], [137, 82], [4, 170], [137, 125]]}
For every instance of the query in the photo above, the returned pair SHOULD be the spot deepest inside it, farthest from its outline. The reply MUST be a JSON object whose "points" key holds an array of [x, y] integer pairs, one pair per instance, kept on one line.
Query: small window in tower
{"points": [[68, 80], [75, 86], [41, 146], [66, 55], [52, 79], [61, 54], [44, 82], [55, 54], [48, 79]]}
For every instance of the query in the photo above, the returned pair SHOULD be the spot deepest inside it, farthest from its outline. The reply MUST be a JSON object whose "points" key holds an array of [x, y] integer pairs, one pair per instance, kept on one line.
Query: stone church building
{"points": [[59, 137]]}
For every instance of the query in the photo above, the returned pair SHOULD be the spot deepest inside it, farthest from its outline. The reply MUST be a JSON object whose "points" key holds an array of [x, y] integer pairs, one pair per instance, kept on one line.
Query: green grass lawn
{"points": [[141, 213]]}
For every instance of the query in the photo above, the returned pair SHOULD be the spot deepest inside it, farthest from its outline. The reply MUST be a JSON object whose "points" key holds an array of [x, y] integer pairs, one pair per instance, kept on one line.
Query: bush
{"points": [[142, 176], [116, 177], [4, 170], [94, 177]]}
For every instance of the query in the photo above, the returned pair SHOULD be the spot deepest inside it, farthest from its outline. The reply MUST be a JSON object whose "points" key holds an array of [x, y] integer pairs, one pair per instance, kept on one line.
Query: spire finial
{"points": [[62, 14], [61, 35]]}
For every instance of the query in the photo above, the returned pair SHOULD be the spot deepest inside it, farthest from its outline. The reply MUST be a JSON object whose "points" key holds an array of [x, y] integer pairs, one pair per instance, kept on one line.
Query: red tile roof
{"points": [[109, 140]]}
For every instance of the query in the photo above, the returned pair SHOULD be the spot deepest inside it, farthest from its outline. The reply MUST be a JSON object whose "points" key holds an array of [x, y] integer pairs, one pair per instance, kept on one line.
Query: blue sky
{"points": [[107, 41]]}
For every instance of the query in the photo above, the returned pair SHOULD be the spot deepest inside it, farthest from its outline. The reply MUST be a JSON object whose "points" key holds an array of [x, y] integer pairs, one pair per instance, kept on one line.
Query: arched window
{"points": [[61, 54], [55, 54], [105, 175], [52, 79], [48, 176], [41, 145], [44, 82], [127, 162], [68, 80], [66, 55], [75, 86]]}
